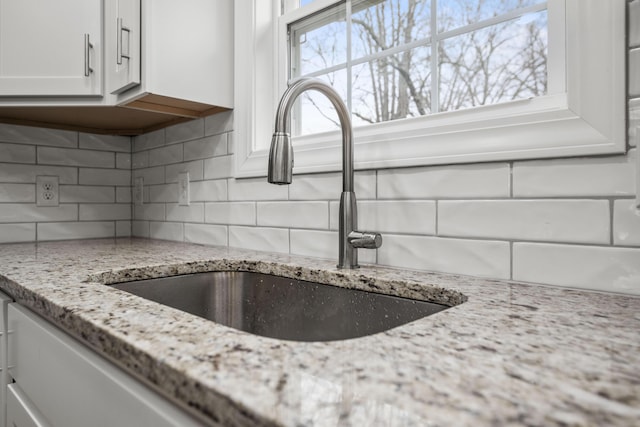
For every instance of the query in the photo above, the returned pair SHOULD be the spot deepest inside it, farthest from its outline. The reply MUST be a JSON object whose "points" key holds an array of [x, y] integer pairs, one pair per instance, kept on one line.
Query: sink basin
{"points": [[279, 307]]}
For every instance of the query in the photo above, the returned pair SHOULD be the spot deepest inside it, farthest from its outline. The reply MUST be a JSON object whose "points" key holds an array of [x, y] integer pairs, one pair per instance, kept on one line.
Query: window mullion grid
{"points": [[435, 42], [349, 64]]}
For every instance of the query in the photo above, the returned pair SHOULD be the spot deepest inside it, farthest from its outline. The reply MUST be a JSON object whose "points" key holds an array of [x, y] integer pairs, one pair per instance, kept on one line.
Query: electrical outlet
{"points": [[47, 190], [138, 191], [183, 188]]}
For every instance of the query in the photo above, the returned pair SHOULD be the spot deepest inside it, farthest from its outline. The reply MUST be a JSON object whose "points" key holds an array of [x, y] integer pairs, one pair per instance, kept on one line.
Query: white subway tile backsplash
{"points": [[123, 194], [237, 213], [165, 193], [185, 131], [22, 212], [218, 167], [114, 143], [577, 177], [140, 160], [634, 121], [86, 194], [13, 233], [571, 221], [103, 212], [17, 193], [206, 234], [167, 231], [470, 257], [230, 143], [607, 269], [75, 230], [17, 153], [315, 243], [38, 136], [192, 213], [259, 238], [10, 172], [150, 176], [328, 186], [323, 244], [149, 140], [294, 214], [208, 191], [218, 123], [626, 223], [149, 212], [210, 146], [123, 228], [75, 157], [255, 189], [634, 23], [634, 73], [195, 169], [446, 182], [140, 228], [392, 216], [105, 177], [123, 161], [165, 155]]}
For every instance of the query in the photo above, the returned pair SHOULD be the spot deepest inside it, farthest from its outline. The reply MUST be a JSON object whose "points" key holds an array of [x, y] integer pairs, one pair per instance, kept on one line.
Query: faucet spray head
{"points": [[280, 159]]}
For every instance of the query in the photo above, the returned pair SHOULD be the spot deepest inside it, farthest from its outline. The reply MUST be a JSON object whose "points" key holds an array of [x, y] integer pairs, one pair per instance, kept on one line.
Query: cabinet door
{"points": [[20, 410], [4, 379], [50, 47], [69, 385], [123, 44]]}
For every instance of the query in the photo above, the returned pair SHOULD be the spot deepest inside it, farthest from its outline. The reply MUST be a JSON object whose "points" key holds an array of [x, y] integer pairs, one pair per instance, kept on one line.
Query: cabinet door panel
{"points": [[43, 49], [123, 44], [20, 410], [72, 386]]}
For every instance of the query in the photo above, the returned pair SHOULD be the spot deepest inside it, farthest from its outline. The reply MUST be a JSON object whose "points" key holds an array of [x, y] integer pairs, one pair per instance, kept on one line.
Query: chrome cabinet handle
{"points": [[87, 56], [119, 54]]}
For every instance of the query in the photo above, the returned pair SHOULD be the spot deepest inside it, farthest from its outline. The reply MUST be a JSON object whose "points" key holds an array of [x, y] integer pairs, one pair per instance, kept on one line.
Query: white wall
{"points": [[94, 174]]}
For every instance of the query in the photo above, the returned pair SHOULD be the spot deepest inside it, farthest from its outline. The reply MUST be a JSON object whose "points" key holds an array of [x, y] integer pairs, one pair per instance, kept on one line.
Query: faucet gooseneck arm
{"points": [[281, 166]]}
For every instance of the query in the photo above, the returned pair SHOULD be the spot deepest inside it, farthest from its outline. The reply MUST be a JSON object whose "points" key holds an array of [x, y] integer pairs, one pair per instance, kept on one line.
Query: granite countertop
{"points": [[506, 354]]}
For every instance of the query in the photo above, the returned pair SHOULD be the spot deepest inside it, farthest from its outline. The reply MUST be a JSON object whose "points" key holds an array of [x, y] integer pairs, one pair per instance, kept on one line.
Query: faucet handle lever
{"points": [[365, 239]]}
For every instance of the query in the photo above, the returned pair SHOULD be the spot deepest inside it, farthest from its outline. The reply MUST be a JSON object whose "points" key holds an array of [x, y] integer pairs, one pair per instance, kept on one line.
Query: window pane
{"points": [[458, 13], [496, 64], [313, 112], [319, 42], [393, 87], [379, 25]]}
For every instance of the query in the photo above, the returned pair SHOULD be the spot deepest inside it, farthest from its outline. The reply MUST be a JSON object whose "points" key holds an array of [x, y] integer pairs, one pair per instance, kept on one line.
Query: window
{"points": [[389, 64], [571, 100]]}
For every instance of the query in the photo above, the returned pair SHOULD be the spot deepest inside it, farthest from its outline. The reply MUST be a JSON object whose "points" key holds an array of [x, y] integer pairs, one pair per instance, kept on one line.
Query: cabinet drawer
{"points": [[72, 386], [20, 410]]}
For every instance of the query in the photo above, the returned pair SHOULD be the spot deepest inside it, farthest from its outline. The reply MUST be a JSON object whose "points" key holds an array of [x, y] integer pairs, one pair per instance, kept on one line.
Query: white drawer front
{"points": [[72, 386]]}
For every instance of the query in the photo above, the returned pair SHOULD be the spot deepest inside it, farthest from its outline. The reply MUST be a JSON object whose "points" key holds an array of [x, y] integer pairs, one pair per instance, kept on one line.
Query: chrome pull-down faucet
{"points": [[281, 167]]}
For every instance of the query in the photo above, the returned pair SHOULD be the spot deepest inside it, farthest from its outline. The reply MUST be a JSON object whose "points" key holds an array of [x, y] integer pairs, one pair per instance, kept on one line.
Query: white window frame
{"points": [[583, 113]]}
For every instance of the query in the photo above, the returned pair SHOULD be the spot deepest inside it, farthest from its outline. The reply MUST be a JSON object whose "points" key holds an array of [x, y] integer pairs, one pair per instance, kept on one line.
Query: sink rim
{"points": [[351, 279]]}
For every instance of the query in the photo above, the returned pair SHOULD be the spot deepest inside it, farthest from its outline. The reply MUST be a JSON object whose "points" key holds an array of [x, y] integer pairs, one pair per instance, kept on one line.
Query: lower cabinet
{"points": [[4, 303], [21, 412], [59, 382]]}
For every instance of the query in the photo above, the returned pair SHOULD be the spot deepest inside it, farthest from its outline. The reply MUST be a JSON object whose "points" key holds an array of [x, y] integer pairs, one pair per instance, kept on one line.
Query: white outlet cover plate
{"points": [[47, 191], [138, 191], [183, 189]]}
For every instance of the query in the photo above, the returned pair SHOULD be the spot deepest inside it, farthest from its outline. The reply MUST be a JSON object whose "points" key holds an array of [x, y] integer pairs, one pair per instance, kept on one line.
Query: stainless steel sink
{"points": [[279, 307]]}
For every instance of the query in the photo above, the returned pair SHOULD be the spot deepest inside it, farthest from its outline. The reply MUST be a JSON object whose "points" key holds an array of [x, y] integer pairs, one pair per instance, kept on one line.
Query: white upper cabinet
{"points": [[68, 63], [187, 57], [122, 32], [50, 48]]}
